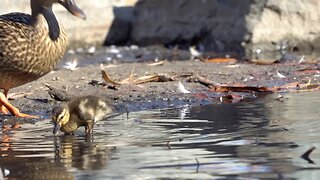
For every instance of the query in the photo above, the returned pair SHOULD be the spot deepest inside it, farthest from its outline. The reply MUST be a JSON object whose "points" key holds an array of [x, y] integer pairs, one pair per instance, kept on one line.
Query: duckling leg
{"points": [[89, 128], [13, 110]]}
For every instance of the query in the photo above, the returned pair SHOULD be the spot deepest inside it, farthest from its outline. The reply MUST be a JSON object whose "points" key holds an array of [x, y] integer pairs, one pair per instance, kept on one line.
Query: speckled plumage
{"points": [[26, 50], [30, 47]]}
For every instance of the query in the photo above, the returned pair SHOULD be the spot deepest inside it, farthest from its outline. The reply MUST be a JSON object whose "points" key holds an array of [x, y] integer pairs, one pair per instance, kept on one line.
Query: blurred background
{"points": [[235, 26]]}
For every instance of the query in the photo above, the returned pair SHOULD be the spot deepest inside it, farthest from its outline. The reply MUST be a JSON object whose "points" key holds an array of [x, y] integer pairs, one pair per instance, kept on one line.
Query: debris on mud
{"points": [[154, 82], [58, 94], [140, 80]]}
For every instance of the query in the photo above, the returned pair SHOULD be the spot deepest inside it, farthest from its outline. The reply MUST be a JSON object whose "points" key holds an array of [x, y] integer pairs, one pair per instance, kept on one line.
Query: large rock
{"points": [[93, 31], [220, 25], [228, 25]]}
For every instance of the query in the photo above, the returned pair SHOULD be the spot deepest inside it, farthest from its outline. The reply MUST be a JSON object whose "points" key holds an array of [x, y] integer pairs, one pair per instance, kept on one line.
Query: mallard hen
{"points": [[81, 111], [30, 46]]}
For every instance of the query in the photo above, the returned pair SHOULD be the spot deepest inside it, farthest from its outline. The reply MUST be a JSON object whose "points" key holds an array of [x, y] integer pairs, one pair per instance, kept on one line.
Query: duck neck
{"points": [[47, 13]]}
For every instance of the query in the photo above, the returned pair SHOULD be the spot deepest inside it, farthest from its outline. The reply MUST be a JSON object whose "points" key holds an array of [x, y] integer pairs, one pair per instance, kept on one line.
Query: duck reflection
{"points": [[82, 154], [16, 163]]}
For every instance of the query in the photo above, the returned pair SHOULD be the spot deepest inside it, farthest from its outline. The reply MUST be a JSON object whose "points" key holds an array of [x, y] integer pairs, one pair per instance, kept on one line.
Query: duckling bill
{"points": [[81, 111]]}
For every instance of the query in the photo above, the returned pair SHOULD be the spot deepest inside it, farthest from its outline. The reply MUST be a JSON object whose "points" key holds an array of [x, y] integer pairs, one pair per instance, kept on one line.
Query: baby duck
{"points": [[81, 111]]}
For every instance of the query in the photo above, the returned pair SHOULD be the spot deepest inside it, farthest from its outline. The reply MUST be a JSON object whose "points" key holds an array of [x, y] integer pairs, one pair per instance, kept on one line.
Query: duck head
{"points": [[60, 117], [70, 5]]}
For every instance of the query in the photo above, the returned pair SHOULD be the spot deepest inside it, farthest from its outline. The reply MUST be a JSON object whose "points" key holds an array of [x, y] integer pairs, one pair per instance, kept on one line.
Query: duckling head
{"points": [[60, 117]]}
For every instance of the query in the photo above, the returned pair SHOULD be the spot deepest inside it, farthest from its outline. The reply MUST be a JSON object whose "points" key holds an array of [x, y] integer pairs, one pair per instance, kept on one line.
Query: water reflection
{"points": [[16, 163], [81, 154], [261, 138]]}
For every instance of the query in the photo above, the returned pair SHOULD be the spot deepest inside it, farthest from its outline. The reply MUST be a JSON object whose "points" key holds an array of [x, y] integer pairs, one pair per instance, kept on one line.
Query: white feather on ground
{"points": [[182, 89], [71, 65]]}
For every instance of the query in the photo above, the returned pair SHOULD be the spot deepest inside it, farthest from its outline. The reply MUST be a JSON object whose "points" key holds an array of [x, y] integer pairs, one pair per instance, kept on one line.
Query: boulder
{"points": [[228, 25]]}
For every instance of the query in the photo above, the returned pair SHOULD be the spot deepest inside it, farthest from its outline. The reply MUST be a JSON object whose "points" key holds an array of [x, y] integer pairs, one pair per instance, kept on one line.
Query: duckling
{"points": [[81, 111], [30, 47]]}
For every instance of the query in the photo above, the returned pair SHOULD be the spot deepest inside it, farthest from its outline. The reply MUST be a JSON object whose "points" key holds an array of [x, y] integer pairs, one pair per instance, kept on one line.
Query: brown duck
{"points": [[30, 47], [80, 111]]}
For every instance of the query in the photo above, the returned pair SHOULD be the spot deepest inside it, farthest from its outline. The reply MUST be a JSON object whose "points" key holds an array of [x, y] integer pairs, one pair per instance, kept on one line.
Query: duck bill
{"points": [[56, 128], [72, 7]]}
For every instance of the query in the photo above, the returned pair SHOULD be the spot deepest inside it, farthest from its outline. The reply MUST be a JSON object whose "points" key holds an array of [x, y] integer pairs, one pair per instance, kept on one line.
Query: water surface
{"points": [[259, 139]]}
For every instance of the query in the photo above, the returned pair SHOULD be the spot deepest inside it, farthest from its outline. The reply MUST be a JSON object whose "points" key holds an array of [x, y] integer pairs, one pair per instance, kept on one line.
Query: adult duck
{"points": [[30, 47]]}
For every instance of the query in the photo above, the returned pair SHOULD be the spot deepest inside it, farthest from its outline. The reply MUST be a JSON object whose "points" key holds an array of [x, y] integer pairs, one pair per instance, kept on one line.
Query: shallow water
{"points": [[260, 138]]}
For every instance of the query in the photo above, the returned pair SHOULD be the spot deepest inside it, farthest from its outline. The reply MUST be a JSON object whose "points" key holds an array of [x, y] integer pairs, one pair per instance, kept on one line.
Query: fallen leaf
{"points": [[307, 71], [297, 87], [221, 60], [139, 80], [153, 78], [106, 77], [130, 79], [160, 63], [232, 88], [263, 61]]}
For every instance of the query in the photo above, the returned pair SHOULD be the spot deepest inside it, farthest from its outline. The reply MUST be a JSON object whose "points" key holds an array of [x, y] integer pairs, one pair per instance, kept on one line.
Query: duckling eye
{"points": [[60, 117]]}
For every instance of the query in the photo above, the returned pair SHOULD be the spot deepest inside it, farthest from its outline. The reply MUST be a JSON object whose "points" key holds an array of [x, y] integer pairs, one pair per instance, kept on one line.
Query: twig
{"points": [[198, 165], [168, 144], [205, 81], [306, 155], [127, 111]]}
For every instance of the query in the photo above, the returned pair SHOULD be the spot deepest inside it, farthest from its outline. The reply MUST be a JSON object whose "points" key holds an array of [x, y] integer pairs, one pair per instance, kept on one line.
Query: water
{"points": [[255, 139]]}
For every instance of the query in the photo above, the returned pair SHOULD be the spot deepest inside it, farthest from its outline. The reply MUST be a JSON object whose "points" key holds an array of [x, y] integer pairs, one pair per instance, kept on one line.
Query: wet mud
{"points": [[85, 78]]}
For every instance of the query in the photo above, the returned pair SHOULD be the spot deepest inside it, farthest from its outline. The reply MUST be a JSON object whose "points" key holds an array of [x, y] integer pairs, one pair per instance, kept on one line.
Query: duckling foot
{"points": [[13, 110], [89, 128]]}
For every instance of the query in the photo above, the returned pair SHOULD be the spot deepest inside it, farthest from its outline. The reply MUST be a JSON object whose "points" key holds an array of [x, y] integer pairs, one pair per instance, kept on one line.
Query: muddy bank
{"points": [[86, 79]]}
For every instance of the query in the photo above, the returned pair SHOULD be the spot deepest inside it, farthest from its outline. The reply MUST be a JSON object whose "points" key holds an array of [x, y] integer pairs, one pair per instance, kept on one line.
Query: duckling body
{"points": [[81, 111], [30, 46]]}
